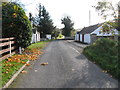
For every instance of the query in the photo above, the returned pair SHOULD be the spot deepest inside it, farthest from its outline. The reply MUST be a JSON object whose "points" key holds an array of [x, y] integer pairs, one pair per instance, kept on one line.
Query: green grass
{"points": [[8, 71], [105, 53], [38, 45]]}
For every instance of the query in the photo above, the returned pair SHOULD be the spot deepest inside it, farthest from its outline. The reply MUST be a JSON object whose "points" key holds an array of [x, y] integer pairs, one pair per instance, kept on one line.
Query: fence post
{"points": [[10, 47], [20, 50]]}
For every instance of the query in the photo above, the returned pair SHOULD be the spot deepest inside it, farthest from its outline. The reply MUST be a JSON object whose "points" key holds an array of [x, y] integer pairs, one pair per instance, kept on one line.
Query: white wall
{"points": [[81, 37], [77, 37], [104, 34], [35, 37], [87, 38], [38, 36], [108, 34]]}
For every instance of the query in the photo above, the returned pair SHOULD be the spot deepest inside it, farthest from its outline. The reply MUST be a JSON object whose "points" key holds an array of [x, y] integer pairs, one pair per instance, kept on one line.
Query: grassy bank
{"points": [[104, 52], [38, 45], [12, 64]]}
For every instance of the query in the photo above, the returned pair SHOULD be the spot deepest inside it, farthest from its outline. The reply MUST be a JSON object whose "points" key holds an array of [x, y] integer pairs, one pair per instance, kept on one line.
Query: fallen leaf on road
{"points": [[24, 71], [104, 71], [35, 70], [44, 63], [73, 69], [28, 64]]}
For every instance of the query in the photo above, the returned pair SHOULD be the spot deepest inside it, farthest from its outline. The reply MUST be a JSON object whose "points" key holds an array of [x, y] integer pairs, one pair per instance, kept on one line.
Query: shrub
{"points": [[16, 24], [105, 53]]}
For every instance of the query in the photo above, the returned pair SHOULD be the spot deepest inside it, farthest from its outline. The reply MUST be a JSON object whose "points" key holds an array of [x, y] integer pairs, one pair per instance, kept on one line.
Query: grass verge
{"points": [[38, 45], [104, 52], [12, 64]]}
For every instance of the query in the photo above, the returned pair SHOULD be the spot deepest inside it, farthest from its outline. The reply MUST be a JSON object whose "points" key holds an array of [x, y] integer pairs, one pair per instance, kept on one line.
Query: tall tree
{"points": [[30, 16], [45, 23], [33, 20], [68, 26]]}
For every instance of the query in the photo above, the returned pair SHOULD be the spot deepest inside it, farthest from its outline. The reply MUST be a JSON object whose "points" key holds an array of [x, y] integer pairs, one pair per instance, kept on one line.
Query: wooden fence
{"points": [[8, 43]]}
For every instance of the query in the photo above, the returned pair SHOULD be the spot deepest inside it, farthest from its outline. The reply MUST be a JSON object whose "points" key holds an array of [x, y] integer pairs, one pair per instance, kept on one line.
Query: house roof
{"points": [[88, 30]]}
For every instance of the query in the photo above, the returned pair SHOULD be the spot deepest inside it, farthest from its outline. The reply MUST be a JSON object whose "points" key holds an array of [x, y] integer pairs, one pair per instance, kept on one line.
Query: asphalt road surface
{"points": [[67, 68]]}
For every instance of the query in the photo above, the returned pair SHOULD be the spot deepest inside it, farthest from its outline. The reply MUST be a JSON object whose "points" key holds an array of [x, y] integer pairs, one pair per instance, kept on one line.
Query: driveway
{"points": [[67, 68]]}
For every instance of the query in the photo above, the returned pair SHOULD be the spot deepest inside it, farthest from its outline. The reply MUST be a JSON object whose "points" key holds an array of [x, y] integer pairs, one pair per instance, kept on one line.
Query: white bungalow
{"points": [[91, 33], [35, 36]]}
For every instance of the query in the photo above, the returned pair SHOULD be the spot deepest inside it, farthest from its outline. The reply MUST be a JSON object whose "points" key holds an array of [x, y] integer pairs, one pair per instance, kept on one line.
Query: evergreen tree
{"points": [[32, 20], [30, 16], [68, 26], [45, 24]]}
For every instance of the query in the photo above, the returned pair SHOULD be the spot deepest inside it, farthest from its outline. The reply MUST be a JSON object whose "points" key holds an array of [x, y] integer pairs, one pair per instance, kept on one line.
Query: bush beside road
{"points": [[104, 52]]}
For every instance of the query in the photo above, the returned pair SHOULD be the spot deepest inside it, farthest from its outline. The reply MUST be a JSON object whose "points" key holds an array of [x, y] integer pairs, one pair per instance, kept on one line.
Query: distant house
{"points": [[48, 36], [91, 33], [35, 36]]}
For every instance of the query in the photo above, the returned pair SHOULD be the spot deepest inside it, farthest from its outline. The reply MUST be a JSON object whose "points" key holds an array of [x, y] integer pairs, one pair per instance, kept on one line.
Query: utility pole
{"points": [[89, 17]]}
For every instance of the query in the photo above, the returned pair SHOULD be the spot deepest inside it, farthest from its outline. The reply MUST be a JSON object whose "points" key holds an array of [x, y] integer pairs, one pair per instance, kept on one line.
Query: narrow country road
{"points": [[67, 68]]}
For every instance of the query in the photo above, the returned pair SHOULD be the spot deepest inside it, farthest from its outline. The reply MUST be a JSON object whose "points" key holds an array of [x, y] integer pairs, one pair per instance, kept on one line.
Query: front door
{"points": [[79, 37], [82, 37]]}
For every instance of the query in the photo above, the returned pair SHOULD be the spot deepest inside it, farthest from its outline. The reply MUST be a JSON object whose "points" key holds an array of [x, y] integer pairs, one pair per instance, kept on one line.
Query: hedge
{"points": [[16, 24]]}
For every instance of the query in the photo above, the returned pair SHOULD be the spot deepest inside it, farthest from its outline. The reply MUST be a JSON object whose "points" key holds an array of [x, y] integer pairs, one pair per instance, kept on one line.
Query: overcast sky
{"points": [[78, 10]]}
